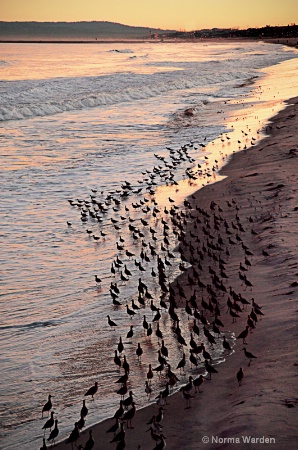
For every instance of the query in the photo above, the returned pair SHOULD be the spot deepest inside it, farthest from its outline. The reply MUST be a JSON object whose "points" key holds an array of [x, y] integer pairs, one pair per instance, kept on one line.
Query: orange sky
{"points": [[167, 14]]}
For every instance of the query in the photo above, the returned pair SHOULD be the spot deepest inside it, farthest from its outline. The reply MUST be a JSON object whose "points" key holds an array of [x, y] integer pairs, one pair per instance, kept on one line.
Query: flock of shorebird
{"points": [[205, 237]]}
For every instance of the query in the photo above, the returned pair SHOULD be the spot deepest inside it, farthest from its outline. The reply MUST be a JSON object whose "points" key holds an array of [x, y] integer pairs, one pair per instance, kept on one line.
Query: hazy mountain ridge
{"points": [[73, 30]]}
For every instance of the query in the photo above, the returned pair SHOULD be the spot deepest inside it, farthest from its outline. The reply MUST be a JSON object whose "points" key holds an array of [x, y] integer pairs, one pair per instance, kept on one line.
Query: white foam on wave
{"points": [[126, 50], [38, 98]]}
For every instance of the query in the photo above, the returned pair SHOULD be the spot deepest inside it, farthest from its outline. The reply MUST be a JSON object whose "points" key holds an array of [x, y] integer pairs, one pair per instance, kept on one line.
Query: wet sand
{"points": [[258, 200]]}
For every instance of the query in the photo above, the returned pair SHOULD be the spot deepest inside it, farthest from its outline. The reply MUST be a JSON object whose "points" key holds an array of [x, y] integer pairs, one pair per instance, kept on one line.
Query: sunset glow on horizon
{"points": [[166, 14]]}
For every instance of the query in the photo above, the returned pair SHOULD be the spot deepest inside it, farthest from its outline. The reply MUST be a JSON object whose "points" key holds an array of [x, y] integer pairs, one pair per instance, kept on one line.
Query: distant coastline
{"points": [[291, 42], [102, 32]]}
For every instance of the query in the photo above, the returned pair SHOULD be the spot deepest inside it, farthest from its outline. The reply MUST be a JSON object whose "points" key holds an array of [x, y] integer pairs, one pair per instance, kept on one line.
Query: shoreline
{"points": [[262, 182], [289, 42]]}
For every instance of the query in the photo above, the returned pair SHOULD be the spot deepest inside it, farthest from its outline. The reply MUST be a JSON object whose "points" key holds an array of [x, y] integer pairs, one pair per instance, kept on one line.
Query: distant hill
{"points": [[78, 31]]}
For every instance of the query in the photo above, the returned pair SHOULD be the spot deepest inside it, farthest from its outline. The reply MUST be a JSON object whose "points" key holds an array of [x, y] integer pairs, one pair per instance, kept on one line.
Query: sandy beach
{"points": [[253, 212]]}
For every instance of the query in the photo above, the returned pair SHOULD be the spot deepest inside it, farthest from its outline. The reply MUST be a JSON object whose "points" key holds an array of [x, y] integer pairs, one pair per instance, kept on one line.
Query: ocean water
{"points": [[79, 122]]}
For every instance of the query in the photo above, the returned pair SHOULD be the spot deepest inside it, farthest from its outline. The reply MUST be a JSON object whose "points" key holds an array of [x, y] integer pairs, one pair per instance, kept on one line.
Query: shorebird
{"points": [[130, 332], [74, 436], [145, 323], [120, 345], [81, 423], [189, 386], [47, 406], [129, 400], [193, 360], [187, 397], [155, 425], [117, 360], [206, 355], [90, 443], [84, 410], [159, 416], [119, 411], [181, 363], [129, 415], [111, 322], [197, 382], [123, 390], [248, 355], [92, 391], [210, 369], [240, 375], [243, 335], [130, 312], [149, 331], [125, 364], [148, 389], [226, 344], [97, 279], [49, 423], [139, 351], [54, 433], [164, 350], [165, 393]]}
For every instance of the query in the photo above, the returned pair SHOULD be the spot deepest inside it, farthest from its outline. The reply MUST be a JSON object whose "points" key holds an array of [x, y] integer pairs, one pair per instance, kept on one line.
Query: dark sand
{"points": [[261, 184]]}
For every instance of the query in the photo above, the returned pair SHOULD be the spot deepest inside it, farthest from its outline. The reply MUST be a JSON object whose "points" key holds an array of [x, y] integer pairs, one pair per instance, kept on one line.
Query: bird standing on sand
{"points": [[47, 406], [197, 382], [240, 375], [243, 335], [74, 436], [129, 415], [90, 443], [54, 433], [248, 355], [92, 391], [44, 447], [187, 397]]}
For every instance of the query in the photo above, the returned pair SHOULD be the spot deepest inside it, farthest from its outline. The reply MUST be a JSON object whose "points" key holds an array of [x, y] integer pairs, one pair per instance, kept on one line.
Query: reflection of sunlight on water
{"points": [[67, 343]]}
